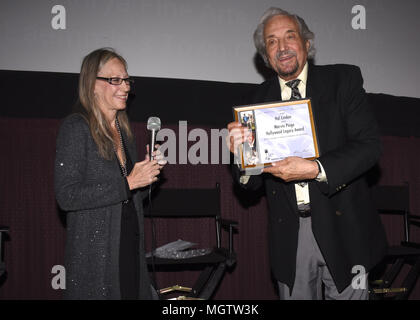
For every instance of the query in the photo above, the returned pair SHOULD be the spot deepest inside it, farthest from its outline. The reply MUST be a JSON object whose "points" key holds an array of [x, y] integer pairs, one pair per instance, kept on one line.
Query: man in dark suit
{"points": [[322, 225]]}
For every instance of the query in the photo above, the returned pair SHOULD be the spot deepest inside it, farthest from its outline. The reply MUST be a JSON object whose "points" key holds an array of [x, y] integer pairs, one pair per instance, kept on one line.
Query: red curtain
{"points": [[37, 234]]}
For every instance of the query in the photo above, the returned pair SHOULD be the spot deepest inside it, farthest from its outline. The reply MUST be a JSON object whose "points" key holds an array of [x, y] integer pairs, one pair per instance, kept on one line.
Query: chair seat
{"points": [[194, 204], [217, 255], [395, 200], [402, 251]]}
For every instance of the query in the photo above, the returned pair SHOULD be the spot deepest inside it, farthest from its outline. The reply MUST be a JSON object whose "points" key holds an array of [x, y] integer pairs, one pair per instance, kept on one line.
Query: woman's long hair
{"points": [[99, 127]]}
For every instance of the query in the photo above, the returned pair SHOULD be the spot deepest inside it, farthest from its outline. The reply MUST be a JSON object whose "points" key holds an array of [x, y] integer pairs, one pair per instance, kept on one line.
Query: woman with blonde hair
{"points": [[99, 184]]}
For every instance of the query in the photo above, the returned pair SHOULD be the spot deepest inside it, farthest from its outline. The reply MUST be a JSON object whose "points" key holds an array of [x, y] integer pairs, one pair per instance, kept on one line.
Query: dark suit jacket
{"points": [[345, 224]]}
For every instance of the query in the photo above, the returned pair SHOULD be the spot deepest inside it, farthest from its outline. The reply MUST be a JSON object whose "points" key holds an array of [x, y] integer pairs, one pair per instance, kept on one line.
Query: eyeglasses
{"points": [[117, 81]]}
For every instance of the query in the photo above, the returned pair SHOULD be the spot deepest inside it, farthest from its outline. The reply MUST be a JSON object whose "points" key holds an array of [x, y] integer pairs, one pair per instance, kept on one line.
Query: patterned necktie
{"points": [[295, 95], [295, 91]]}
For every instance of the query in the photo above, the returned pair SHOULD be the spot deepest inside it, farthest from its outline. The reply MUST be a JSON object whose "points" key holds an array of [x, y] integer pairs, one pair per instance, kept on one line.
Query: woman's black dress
{"points": [[129, 246]]}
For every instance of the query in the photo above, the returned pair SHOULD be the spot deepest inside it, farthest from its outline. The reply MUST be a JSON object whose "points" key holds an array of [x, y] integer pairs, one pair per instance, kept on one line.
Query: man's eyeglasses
{"points": [[117, 81]]}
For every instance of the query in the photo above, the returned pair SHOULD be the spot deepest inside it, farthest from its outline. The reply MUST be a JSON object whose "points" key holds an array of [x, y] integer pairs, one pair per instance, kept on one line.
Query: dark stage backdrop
{"points": [[37, 233]]}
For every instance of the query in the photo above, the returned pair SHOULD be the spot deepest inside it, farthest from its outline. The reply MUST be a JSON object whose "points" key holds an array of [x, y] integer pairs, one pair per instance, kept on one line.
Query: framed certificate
{"points": [[277, 130]]}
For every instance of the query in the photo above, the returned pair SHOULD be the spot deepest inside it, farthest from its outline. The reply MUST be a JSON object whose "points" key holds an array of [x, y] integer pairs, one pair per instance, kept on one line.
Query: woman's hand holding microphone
{"points": [[145, 172]]}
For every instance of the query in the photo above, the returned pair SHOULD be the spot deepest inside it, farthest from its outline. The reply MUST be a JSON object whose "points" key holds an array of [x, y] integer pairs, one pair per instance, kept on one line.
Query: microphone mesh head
{"points": [[153, 123]]}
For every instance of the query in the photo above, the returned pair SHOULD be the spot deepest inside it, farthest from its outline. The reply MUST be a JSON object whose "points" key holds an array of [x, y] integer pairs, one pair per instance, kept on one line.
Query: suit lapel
{"points": [[273, 92], [314, 90]]}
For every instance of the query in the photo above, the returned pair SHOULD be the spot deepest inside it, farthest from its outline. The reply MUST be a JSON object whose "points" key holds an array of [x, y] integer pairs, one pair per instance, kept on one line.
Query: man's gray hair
{"points": [[305, 33]]}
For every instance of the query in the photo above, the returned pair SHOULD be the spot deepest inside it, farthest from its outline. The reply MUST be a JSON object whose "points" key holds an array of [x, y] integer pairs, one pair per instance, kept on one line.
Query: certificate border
{"points": [[252, 107]]}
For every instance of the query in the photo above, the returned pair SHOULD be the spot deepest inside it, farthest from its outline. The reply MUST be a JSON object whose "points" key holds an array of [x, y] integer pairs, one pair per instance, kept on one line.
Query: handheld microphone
{"points": [[153, 124]]}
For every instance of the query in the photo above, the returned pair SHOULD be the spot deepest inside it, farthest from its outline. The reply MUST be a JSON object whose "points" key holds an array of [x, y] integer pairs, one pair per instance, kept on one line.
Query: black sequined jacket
{"points": [[90, 190]]}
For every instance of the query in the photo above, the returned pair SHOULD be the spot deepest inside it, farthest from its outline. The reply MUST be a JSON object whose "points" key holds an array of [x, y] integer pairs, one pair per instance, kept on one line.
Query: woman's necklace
{"points": [[124, 165]]}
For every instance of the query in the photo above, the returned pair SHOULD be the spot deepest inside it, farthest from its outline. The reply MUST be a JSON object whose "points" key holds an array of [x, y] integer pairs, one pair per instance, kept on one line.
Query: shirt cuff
{"points": [[322, 176], [244, 179]]}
